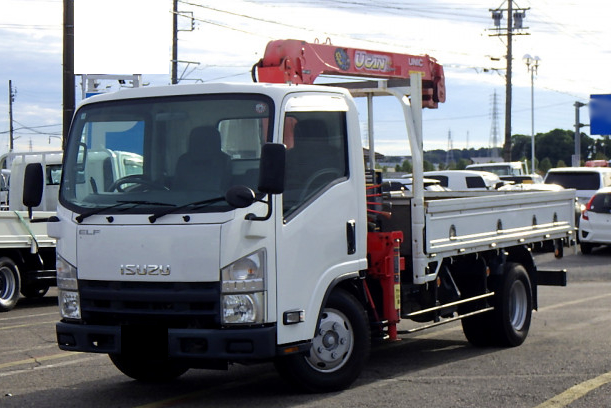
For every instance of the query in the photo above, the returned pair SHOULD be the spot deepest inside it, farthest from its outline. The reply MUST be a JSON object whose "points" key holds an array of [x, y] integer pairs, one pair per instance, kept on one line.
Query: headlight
{"points": [[243, 308], [69, 302], [243, 290]]}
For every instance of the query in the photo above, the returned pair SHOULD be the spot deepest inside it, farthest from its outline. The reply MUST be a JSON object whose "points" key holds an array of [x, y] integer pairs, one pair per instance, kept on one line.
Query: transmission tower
{"points": [[450, 152], [494, 129]]}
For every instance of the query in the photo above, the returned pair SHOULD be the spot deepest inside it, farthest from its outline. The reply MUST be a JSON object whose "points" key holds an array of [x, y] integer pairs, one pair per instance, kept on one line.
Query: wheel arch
{"points": [[351, 283], [14, 255]]}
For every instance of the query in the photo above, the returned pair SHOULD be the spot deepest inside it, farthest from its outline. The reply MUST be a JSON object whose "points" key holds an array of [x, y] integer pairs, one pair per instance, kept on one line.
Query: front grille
{"points": [[172, 304]]}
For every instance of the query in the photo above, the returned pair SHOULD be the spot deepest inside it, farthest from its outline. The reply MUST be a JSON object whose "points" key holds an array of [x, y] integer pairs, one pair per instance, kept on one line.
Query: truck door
{"points": [[316, 233]]}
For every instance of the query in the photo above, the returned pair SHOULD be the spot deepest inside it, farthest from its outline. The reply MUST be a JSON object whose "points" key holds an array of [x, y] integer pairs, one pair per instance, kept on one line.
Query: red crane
{"points": [[299, 62]]}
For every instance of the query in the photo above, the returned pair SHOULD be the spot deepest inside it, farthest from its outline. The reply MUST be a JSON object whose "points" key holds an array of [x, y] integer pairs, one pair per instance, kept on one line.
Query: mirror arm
{"points": [[253, 217]]}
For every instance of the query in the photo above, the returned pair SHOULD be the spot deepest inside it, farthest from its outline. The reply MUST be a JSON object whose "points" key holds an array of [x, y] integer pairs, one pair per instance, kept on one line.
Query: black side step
{"points": [[552, 277]]}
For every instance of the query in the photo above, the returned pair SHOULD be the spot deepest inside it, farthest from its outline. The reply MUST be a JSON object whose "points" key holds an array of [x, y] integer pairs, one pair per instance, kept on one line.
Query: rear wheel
{"points": [[477, 329], [148, 368], [10, 284], [339, 349], [508, 324]]}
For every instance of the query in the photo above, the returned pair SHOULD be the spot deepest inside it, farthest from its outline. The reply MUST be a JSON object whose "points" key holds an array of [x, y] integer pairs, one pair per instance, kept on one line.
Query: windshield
{"points": [[164, 151]]}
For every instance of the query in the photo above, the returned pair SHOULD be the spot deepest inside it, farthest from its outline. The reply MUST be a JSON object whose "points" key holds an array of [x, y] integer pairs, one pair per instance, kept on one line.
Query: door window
{"points": [[316, 155]]}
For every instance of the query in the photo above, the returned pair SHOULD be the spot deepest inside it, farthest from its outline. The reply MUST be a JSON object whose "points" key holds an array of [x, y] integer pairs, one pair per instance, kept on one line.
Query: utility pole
{"points": [[68, 68], [532, 65], [185, 14], [11, 99], [576, 159], [515, 19], [175, 43], [508, 91]]}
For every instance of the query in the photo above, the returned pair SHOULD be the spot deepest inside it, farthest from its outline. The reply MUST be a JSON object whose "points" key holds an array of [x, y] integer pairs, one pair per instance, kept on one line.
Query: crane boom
{"points": [[299, 62]]}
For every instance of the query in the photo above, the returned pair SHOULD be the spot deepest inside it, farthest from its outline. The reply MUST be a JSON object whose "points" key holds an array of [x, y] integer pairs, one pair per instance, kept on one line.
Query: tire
{"points": [[477, 329], [339, 349], [586, 248], [34, 292], [508, 324], [10, 284], [513, 306], [148, 369]]}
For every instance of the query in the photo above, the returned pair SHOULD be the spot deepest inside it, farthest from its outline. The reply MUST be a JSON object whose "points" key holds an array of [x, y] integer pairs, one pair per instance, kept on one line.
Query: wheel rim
{"points": [[7, 283], [518, 305], [333, 343]]}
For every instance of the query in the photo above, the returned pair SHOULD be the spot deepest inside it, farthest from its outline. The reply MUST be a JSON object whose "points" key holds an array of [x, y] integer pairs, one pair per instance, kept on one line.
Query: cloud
{"points": [[122, 37]]}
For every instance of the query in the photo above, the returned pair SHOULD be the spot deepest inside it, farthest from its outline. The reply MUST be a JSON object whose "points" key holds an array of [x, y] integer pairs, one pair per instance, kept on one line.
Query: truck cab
{"points": [[52, 169]]}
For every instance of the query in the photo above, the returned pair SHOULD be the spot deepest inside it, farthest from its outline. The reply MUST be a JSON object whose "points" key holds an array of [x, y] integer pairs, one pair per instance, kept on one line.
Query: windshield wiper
{"points": [[195, 205], [121, 203]]}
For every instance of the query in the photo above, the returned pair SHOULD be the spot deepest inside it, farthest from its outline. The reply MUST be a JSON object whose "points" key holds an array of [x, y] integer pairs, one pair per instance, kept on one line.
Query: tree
{"points": [[555, 145], [428, 166], [406, 166], [545, 165], [462, 163], [520, 146]]}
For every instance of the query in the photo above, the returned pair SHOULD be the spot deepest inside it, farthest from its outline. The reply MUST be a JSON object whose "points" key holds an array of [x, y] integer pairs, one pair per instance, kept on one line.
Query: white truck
{"points": [[254, 232], [27, 253], [509, 171]]}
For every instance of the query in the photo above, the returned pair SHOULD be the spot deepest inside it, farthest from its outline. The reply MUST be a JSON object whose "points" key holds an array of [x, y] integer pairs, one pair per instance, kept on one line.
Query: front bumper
{"points": [[223, 344]]}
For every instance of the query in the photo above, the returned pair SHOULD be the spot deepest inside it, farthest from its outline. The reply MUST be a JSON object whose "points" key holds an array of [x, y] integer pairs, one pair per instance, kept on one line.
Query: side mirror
{"points": [[271, 168], [240, 196], [33, 184]]}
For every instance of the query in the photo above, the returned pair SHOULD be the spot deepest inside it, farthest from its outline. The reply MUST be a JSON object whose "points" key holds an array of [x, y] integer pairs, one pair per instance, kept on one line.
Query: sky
{"points": [[572, 38]]}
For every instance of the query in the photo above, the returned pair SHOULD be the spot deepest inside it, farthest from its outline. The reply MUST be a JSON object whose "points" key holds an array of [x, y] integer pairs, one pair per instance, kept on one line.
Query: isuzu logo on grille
{"points": [[142, 270]]}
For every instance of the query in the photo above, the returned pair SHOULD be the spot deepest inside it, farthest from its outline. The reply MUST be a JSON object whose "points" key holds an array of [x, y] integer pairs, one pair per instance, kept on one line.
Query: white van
{"points": [[466, 180], [585, 180], [501, 168]]}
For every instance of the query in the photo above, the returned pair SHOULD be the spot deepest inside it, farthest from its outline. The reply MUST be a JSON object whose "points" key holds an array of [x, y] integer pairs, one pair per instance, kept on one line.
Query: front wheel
{"points": [[10, 284], [339, 349], [148, 368]]}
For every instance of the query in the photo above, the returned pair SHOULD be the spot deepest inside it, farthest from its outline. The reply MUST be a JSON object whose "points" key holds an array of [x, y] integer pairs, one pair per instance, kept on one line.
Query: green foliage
{"points": [[556, 146], [406, 166], [428, 166], [545, 165], [462, 163]]}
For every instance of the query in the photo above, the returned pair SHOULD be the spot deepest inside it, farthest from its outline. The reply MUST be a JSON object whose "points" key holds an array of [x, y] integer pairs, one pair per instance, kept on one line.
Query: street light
{"points": [[532, 64]]}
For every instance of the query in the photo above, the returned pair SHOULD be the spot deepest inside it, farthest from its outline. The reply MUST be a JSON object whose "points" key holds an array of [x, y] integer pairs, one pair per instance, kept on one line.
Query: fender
{"points": [[344, 281]]}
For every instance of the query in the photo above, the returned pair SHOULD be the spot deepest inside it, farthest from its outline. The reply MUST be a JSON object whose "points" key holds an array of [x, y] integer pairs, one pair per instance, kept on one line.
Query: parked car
{"points": [[531, 187], [595, 222], [466, 180], [525, 179], [585, 180], [397, 186], [501, 168]]}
